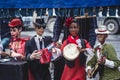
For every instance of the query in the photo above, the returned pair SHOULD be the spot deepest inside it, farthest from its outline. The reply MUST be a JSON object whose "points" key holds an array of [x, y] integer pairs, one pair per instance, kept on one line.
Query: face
{"points": [[74, 29], [15, 32], [39, 31], [101, 37]]}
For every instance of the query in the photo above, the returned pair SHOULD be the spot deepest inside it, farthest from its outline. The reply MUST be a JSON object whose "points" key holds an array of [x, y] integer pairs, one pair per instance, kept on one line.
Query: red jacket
{"points": [[77, 72]]}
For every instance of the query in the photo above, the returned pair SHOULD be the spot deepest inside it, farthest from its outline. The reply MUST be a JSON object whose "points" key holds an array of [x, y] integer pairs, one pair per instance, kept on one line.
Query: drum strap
{"points": [[82, 56]]}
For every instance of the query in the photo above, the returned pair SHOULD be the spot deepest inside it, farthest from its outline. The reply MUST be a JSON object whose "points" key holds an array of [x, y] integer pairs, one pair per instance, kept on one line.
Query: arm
{"points": [[91, 63], [111, 60], [58, 51], [31, 53], [27, 50], [86, 47]]}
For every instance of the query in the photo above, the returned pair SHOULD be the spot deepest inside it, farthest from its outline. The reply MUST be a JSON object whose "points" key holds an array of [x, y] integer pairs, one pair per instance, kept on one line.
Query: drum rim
{"points": [[68, 58]]}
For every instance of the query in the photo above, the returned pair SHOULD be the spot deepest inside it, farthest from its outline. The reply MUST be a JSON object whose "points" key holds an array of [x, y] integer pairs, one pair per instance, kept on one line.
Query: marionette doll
{"points": [[105, 61]]}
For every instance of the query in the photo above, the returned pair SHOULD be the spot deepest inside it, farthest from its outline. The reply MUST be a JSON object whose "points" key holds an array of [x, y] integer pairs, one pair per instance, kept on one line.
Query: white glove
{"points": [[78, 41]]}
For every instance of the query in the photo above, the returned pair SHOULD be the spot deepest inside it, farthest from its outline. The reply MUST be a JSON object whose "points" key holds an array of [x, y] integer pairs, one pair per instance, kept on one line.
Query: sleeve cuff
{"points": [[119, 68], [28, 57], [87, 68], [57, 54], [109, 63], [78, 41]]}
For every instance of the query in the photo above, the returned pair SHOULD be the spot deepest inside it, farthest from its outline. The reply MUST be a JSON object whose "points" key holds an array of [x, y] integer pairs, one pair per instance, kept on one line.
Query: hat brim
{"points": [[101, 32]]}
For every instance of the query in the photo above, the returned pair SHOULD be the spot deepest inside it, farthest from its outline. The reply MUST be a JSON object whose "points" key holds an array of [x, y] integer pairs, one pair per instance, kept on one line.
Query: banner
{"points": [[57, 3]]}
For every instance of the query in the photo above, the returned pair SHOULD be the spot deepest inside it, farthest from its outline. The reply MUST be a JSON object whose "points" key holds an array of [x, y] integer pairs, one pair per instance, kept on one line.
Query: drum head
{"points": [[70, 52]]}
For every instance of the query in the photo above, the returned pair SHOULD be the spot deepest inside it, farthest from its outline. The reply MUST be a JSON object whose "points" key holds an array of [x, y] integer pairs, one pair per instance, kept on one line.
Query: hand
{"points": [[102, 60], [17, 55], [3, 53], [80, 49], [36, 55], [58, 45], [54, 50], [89, 73], [83, 50]]}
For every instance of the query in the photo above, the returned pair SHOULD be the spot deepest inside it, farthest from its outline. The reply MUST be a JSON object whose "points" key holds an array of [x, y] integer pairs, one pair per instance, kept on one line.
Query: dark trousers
{"points": [[59, 67], [42, 76], [40, 71]]}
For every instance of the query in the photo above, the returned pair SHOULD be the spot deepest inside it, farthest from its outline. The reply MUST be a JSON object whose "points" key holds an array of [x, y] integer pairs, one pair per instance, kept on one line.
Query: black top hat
{"points": [[39, 23]]}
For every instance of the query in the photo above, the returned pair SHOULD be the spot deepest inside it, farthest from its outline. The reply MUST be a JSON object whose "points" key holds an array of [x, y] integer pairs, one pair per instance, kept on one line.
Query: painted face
{"points": [[14, 32], [101, 37], [74, 29], [39, 31]]}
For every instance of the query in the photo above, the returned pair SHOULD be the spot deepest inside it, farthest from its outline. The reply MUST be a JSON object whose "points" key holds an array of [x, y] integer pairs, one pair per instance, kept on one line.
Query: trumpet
{"points": [[97, 67], [94, 71]]}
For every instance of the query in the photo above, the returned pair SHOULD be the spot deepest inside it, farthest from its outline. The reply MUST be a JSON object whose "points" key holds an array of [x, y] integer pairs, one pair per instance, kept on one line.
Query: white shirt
{"points": [[37, 41]]}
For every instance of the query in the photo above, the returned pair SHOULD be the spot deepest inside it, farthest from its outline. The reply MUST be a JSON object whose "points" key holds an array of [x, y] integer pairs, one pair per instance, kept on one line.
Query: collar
{"points": [[39, 37], [99, 45], [72, 39], [20, 39], [15, 39]]}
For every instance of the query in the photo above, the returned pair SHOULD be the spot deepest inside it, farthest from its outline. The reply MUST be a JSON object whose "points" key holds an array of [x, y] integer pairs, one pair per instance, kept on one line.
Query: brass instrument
{"points": [[94, 70]]}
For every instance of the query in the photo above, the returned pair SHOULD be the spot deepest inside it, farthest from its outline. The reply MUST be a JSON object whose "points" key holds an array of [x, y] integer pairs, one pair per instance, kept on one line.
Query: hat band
{"points": [[14, 26], [102, 31]]}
